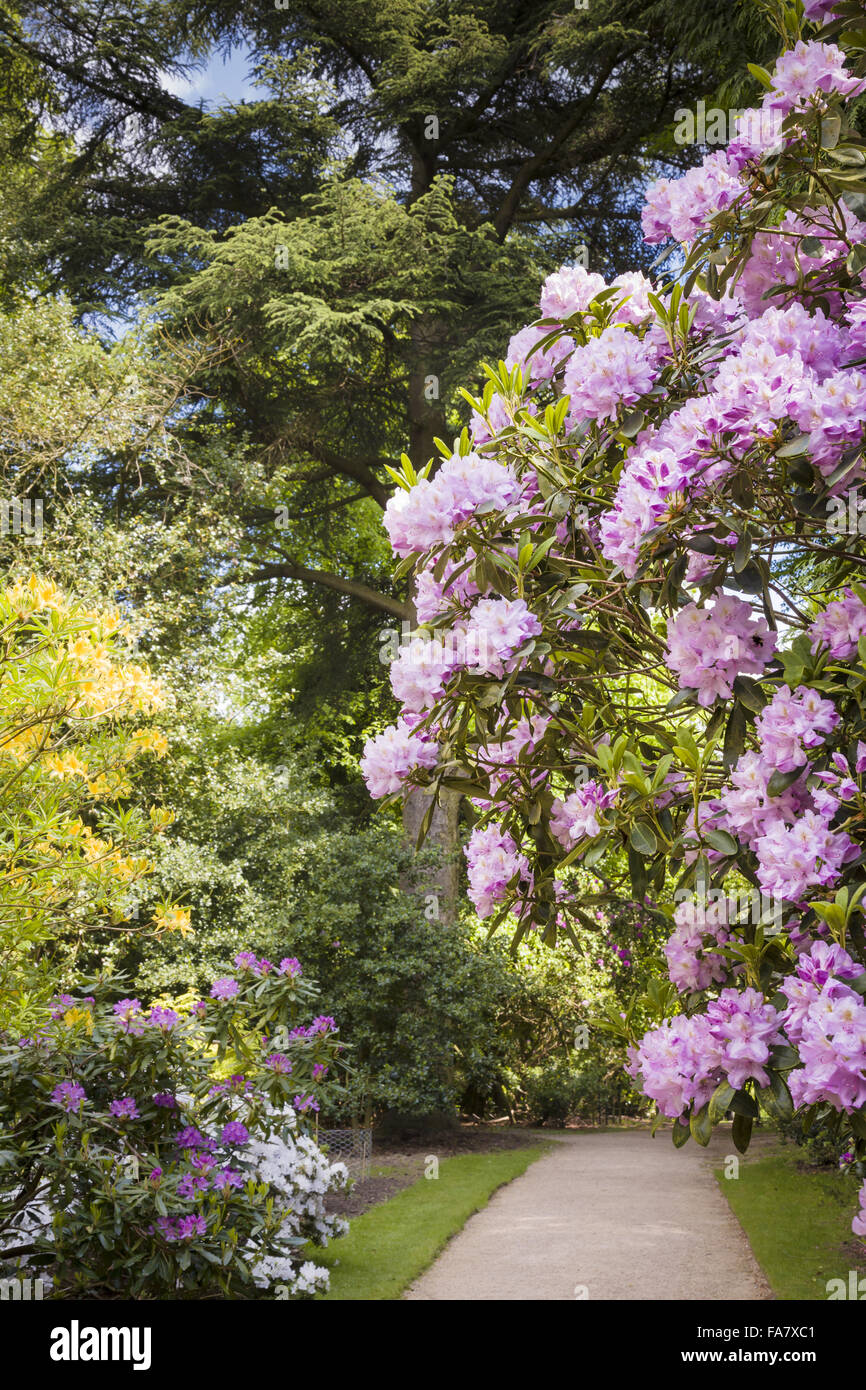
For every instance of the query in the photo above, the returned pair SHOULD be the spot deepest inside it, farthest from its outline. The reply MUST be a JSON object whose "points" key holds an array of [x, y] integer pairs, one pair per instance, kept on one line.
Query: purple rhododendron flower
{"points": [[226, 988], [162, 1018], [190, 1186], [125, 1109], [69, 1094], [191, 1138], [228, 1177], [279, 1062], [235, 1133], [493, 860]]}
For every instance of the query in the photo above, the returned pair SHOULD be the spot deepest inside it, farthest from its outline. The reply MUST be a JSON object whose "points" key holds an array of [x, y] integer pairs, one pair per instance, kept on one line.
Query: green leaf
{"points": [[735, 735], [781, 781], [784, 1058], [831, 129], [796, 448], [597, 850], [741, 1132], [722, 841], [720, 1101], [637, 870], [680, 1134], [857, 1121], [782, 1096], [701, 1126], [643, 838], [761, 75], [682, 697], [744, 1104], [830, 913], [856, 260]]}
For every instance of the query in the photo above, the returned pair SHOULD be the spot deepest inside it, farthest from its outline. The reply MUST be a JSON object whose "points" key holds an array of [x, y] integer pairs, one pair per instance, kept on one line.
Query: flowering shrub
{"points": [[70, 851], [645, 535], [152, 1154]]}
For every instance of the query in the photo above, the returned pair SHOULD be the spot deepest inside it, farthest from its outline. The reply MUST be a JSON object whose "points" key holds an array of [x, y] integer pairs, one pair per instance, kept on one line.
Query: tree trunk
{"points": [[426, 421], [440, 890]]}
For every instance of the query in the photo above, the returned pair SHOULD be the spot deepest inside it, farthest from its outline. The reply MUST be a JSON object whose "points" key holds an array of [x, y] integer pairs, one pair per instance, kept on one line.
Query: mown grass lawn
{"points": [[390, 1245], [798, 1223]]}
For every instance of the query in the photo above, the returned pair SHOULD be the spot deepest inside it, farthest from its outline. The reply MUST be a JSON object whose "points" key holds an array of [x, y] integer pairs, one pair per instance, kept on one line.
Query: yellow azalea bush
{"points": [[74, 706]]}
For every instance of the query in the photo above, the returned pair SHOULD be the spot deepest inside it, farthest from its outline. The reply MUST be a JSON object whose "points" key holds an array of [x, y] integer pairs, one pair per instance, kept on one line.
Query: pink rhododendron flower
{"points": [[809, 70], [709, 647], [840, 626], [493, 860], [391, 756], [576, 818]]}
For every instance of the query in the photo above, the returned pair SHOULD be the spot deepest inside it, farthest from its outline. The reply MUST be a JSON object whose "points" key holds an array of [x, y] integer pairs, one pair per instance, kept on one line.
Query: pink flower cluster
{"points": [[432, 595], [782, 365], [692, 965], [607, 373], [790, 832], [173, 1228], [493, 860], [748, 810], [840, 627], [577, 817], [807, 72], [569, 291], [818, 10], [826, 1021], [391, 756], [681, 208], [420, 673], [793, 722], [709, 647], [501, 755], [485, 642], [681, 1062], [427, 514], [831, 412], [808, 854], [538, 365], [496, 628]]}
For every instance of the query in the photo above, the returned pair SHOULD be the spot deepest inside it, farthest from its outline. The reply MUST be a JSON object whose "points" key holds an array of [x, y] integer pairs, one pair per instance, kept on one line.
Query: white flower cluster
{"points": [[295, 1167]]}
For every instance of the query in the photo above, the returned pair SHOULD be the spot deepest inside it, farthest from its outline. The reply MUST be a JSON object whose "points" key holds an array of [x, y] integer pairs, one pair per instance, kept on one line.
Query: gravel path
{"points": [[604, 1216]]}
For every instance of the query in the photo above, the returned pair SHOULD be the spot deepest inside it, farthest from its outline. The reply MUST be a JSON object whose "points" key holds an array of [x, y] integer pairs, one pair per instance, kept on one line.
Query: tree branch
{"points": [[533, 166], [354, 588]]}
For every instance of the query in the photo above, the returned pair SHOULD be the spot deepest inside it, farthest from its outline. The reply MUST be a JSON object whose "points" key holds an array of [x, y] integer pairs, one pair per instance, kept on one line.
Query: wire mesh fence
{"points": [[354, 1147]]}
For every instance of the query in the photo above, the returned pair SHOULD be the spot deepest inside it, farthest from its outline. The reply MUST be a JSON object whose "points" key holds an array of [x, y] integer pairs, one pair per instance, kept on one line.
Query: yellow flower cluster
{"points": [[73, 1017], [175, 918], [35, 595], [149, 741]]}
